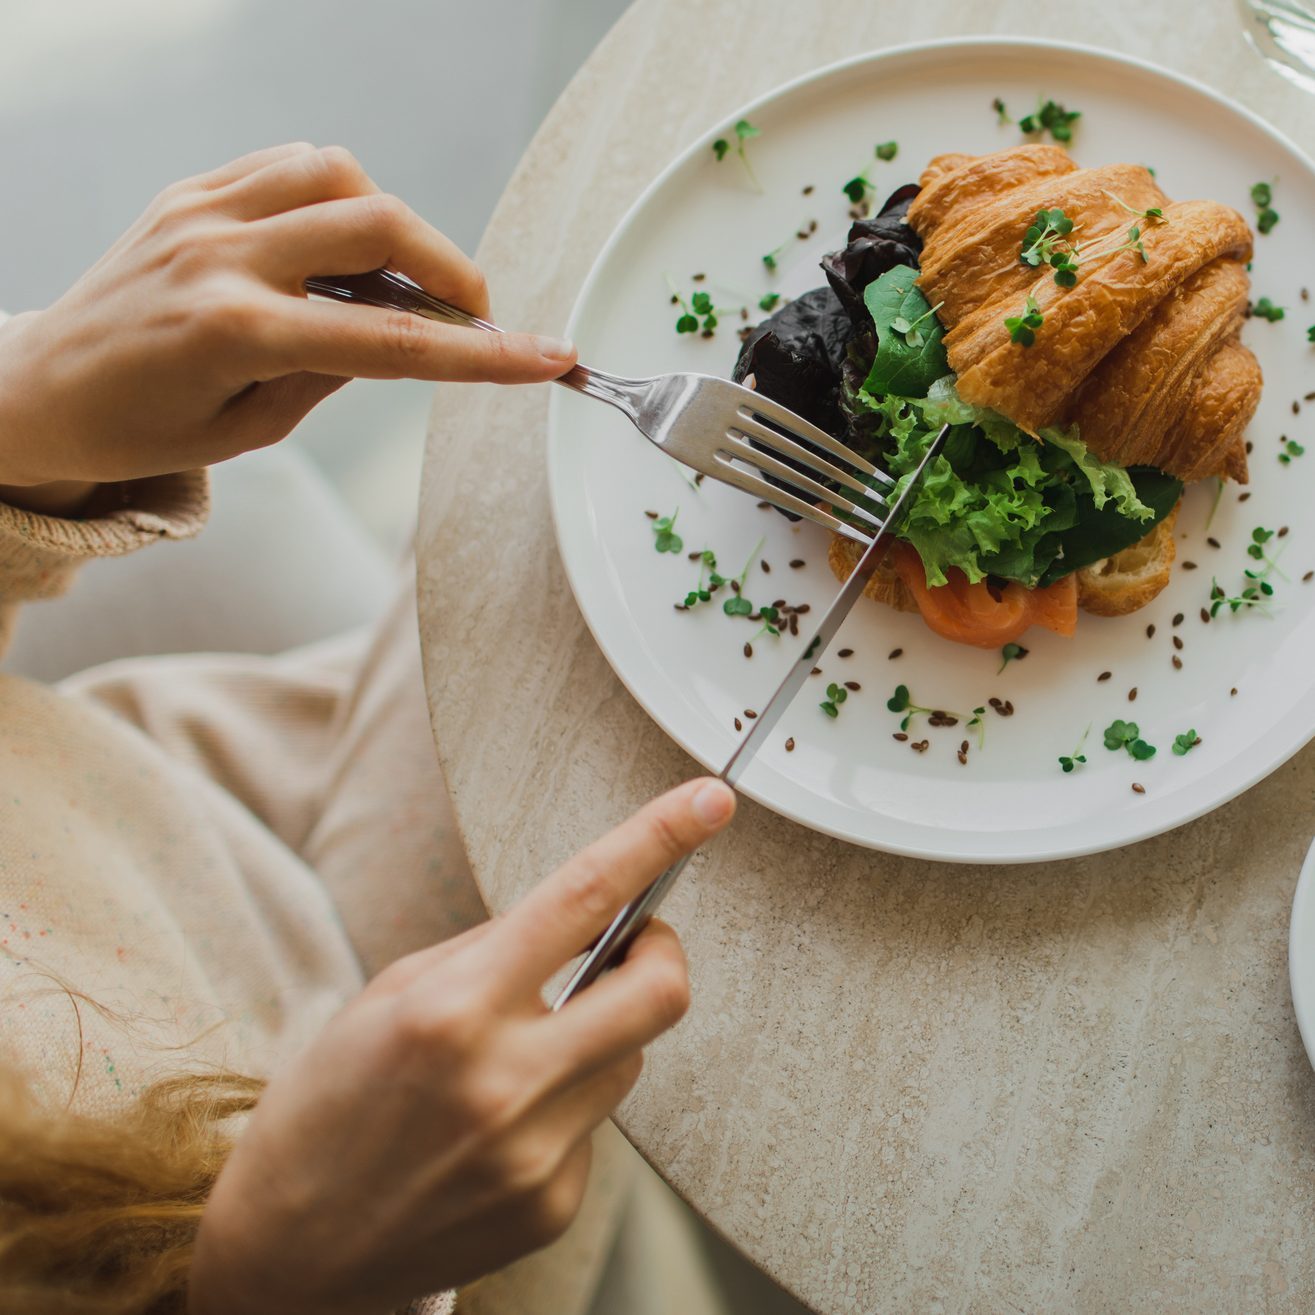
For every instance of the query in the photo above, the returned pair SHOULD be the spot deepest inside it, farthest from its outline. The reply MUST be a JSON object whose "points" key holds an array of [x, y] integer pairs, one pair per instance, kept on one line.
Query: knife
{"points": [[611, 946]]}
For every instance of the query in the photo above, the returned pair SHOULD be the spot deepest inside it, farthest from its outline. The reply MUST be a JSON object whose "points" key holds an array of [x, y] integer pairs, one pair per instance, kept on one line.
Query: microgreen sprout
{"points": [[1262, 195], [770, 616], [1257, 590], [835, 696], [708, 583], [1022, 328], [1214, 506], [1185, 742], [1001, 111], [665, 538], [1052, 118], [859, 185], [738, 604], [1126, 735], [1155, 211], [1291, 448], [698, 314], [908, 329], [1265, 309], [902, 701], [722, 146], [1010, 653], [804, 231], [768, 300], [1073, 761], [1310, 334]]}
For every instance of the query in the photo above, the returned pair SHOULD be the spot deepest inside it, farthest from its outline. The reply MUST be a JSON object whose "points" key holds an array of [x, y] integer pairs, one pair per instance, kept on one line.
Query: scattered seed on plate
{"points": [[920, 746], [900, 736], [697, 278], [1177, 662], [764, 506], [803, 607], [1296, 408], [816, 671], [1309, 397], [845, 652], [652, 515], [739, 725], [1282, 532], [1138, 788], [749, 712], [1251, 447], [1214, 543], [894, 653], [794, 623], [780, 602], [1205, 615], [789, 745], [1132, 694], [808, 190], [797, 563], [853, 685], [1233, 692], [1150, 631], [963, 757], [1308, 577], [748, 649], [1189, 566], [1305, 294], [1177, 618], [1104, 675], [1178, 642], [1242, 497]]}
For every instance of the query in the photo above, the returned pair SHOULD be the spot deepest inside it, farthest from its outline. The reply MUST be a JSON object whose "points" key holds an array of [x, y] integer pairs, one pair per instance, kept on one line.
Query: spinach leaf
{"points": [[910, 357], [1103, 531]]}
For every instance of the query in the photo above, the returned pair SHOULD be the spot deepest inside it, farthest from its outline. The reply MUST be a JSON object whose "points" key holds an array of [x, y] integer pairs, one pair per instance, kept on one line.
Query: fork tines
{"points": [[770, 440]]}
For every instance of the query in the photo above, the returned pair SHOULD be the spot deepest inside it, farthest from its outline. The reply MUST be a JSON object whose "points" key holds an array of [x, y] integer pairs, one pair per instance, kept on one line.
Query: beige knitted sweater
{"points": [[129, 876]]}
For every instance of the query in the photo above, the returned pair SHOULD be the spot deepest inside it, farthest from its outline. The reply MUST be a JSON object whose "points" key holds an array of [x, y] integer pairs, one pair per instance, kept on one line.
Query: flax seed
{"points": [[1104, 675], [1177, 618], [749, 712], [1178, 643], [797, 563], [894, 653], [1138, 788], [1177, 662], [1214, 543], [739, 726], [1132, 694], [900, 736], [1189, 566], [853, 685], [748, 649], [789, 745], [1242, 497]]}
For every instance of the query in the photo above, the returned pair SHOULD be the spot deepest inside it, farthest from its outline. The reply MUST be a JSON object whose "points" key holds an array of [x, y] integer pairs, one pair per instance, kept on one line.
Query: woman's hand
{"points": [[192, 339], [439, 1127]]}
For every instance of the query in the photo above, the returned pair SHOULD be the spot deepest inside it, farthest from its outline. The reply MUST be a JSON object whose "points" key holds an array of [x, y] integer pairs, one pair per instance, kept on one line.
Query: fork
{"points": [[719, 428]]}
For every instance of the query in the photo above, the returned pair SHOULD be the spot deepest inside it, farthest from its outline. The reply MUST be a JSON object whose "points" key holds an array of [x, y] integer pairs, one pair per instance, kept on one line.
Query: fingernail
{"points": [[554, 349], [712, 803]]}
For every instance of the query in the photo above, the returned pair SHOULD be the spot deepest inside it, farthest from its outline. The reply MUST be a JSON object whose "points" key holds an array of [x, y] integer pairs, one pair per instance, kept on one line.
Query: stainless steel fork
{"points": [[721, 429]]}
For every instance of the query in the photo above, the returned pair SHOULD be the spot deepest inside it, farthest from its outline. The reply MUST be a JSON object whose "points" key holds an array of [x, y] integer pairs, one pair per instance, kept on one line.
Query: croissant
{"points": [[1142, 354]]}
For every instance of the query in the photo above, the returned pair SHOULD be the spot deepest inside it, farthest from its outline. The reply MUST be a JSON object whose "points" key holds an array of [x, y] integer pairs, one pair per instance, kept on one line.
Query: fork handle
{"points": [[389, 291]]}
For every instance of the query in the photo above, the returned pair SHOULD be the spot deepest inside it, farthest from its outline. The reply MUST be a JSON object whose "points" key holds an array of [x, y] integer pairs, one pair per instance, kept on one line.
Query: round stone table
{"points": [[902, 1086]]}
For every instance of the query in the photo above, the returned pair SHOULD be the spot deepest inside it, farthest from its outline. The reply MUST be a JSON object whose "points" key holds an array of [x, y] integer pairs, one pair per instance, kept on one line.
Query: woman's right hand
{"points": [[439, 1127]]}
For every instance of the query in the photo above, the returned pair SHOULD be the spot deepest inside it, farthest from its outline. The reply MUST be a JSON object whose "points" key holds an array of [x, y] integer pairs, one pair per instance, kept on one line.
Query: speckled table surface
{"points": [[903, 1086]]}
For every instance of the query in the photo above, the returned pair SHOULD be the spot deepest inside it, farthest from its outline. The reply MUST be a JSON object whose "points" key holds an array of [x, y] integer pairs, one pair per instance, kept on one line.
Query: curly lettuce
{"points": [[1019, 507]]}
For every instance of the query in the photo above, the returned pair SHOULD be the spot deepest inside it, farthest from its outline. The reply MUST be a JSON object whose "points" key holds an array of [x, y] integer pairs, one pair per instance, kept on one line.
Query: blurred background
{"points": [[102, 104]]}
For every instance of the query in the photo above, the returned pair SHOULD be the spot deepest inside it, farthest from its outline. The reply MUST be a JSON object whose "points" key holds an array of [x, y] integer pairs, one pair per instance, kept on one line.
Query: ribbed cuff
{"points": [[39, 554]]}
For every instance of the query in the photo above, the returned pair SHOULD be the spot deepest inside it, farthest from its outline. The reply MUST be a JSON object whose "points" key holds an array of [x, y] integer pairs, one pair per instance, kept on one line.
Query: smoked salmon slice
{"points": [[983, 615]]}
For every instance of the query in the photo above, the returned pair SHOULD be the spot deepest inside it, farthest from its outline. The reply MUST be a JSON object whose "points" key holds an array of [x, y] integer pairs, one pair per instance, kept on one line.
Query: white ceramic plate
{"points": [[849, 777], [1301, 952]]}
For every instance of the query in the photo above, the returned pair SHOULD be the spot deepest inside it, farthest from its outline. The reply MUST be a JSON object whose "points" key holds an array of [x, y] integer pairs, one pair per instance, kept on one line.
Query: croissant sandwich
{"points": [[1080, 333]]}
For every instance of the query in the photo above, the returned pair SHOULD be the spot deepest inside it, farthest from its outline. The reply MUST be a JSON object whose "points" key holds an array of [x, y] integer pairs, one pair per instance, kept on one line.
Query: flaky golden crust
{"points": [[1142, 354]]}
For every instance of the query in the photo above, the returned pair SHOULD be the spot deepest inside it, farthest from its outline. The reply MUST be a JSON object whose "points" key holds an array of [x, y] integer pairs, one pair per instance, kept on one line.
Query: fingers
{"points": [[298, 179], [574, 905], [270, 411], [627, 1008], [368, 343], [362, 233], [250, 163]]}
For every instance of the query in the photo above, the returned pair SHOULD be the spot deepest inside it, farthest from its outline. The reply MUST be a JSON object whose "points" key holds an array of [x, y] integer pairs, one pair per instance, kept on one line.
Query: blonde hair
{"points": [[98, 1216]]}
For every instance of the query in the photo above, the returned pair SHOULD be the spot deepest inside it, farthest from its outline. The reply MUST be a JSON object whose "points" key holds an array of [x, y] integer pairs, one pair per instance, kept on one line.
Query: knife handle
{"points": [[611, 946]]}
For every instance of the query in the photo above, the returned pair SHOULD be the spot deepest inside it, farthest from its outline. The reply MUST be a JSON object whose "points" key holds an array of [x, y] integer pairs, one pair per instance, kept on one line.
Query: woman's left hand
{"points": [[192, 339]]}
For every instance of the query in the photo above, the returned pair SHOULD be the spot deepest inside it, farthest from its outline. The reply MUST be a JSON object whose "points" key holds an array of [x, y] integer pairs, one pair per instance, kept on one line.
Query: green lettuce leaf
{"points": [[1014, 506]]}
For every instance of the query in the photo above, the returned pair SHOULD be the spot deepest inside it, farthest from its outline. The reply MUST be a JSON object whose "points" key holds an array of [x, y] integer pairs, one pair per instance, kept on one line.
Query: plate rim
{"points": [[1023, 45], [1302, 919]]}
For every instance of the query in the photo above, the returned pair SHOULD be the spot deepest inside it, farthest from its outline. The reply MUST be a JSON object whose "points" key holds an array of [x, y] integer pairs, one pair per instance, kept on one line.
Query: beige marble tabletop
{"points": [[903, 1086]]}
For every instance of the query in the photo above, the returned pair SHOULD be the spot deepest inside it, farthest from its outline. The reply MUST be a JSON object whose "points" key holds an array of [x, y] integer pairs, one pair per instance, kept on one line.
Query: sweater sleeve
{"points": [[39, 554]]}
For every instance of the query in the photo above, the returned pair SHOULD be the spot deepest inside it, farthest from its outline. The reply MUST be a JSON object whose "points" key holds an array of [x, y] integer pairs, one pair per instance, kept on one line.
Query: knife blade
{"points": [[611, 946]]}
